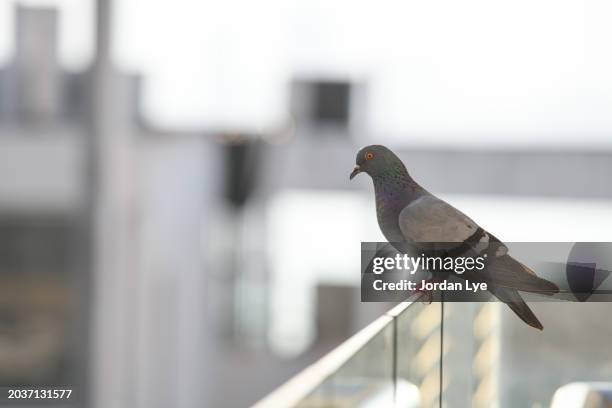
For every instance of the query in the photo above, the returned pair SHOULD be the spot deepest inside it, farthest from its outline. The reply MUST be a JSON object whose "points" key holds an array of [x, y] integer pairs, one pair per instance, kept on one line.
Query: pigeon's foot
{"points": [[424, 295]]}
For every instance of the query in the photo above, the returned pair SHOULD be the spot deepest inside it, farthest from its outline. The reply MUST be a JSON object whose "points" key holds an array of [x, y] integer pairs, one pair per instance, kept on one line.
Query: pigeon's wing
{"points": [[429, 219], [438, 226]]}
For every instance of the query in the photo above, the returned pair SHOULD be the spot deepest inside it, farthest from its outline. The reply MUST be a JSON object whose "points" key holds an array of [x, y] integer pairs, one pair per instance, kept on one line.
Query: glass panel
{"points": [[462, 373], [418, 356], [366, 380], [493, 358], [573, 347]]}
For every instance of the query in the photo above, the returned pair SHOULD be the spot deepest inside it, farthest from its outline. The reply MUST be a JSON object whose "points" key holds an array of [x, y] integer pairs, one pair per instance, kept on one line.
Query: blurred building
{"points": [[47, 304], [160, 338]]}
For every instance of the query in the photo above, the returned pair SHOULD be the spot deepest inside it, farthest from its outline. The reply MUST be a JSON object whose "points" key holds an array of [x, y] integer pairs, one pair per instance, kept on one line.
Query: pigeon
{"points": [[409, 216]]}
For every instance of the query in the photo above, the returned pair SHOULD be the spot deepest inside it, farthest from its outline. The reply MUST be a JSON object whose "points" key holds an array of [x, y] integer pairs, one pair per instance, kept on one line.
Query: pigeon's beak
{"points": [[355, 172]]}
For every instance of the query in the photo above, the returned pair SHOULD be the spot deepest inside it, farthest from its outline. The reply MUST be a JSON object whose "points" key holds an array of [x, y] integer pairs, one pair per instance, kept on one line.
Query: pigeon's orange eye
{"points": [[369, 156]]}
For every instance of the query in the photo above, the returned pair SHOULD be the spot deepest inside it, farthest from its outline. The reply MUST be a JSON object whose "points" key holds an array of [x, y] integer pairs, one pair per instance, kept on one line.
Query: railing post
{"points": [[441, 391], [395, 357]]}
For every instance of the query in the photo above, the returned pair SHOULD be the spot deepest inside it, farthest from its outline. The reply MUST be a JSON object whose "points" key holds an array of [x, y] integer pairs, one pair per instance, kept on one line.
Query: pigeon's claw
{"points": [[423, 295]]}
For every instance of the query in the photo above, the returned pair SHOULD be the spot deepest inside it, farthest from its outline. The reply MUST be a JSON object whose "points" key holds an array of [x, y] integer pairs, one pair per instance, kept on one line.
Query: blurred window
{"points": [[35, 314], [332, 103]]}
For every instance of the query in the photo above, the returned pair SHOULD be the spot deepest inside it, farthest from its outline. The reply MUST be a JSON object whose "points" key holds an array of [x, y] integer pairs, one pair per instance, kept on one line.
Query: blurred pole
{"points": [[107, 191]]}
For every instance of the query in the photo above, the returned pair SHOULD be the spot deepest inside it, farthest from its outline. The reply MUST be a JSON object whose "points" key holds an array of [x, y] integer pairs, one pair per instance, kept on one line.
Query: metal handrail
{"points": [[302, 384]]}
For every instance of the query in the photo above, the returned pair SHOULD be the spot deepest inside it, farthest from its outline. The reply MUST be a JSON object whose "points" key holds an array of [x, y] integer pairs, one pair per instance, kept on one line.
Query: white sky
{"points": [[470, 72]]}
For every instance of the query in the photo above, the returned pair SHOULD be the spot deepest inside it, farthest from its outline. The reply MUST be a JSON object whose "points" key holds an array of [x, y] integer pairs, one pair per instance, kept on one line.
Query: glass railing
{"points": [[395, 361], [479, 355]]}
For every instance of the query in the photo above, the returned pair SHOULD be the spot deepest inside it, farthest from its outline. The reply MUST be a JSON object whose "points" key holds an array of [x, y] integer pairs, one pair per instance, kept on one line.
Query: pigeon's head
{"points": [[376, 160]]}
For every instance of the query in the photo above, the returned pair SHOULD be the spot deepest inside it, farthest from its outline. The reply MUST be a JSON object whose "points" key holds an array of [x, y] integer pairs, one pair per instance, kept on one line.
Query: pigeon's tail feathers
{"points": [[524, 312], [514, 300], [507, 272]]}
